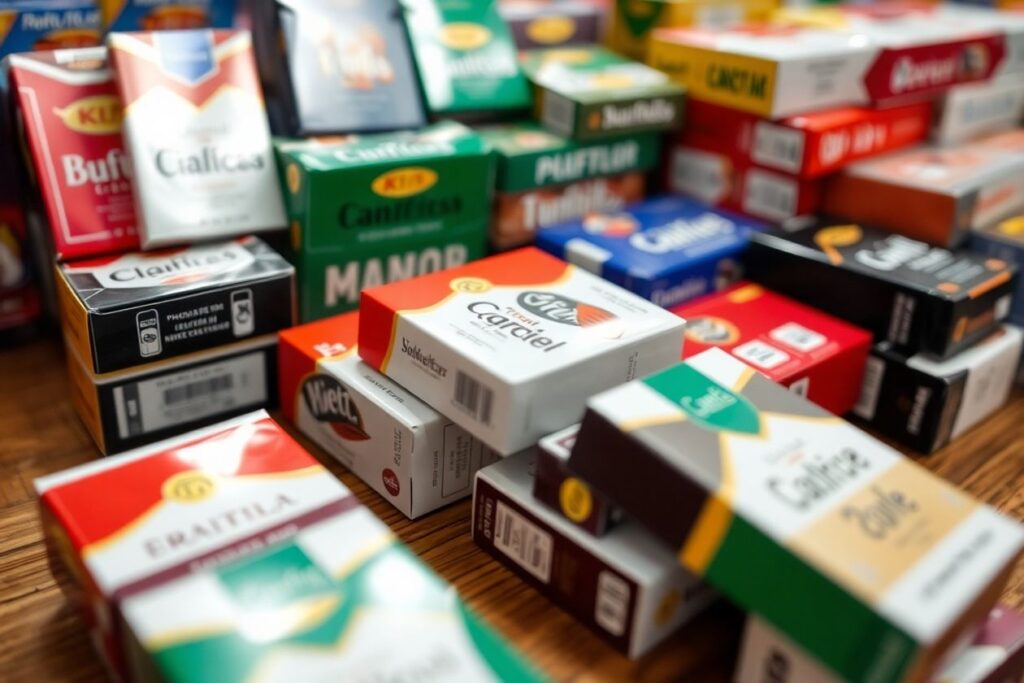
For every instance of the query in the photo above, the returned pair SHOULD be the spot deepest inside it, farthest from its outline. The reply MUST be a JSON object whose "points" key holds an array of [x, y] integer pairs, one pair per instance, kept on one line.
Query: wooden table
{"points": [[41, 638]]}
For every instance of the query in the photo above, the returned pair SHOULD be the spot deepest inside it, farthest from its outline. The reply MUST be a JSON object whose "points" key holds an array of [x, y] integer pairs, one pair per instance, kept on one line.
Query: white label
{"points": [[760, 354], [193, 394], [874, 372], [769, 195], [1002, 307], [700, 174], [797, 337], [714, 15], [586, 255], [611, 608], [778, 147], [528, 545]]}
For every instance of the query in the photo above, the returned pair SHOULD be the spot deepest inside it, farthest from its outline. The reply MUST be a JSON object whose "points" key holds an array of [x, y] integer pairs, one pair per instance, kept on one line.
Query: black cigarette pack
{"points": [[130, 408], [337, 67], [573, 498], [924, 403], [917, 297], [627, 585], [122, 311]]}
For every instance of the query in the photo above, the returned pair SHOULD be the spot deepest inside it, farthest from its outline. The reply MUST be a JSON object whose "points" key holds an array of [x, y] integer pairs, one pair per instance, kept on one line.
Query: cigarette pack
{"points": [[666, 249], [815, 144], [923, 403], [164, 15], [552, 23], [555, 486], [509, 347], [128, 310], [995, 655], [196, 131], [813, 354], [126, 409], [631, 23], [590, 93], [466, 57], [933, 194], [974, 110], [1005, 241], [626, 586], [339, 67], [27, 25], [406, 451], [726, 465], [530, 157], [340, 599], [778, 70], [711, 171], [384, 208], [916, 297], [520, 216], [176, 507], [71, 116]]}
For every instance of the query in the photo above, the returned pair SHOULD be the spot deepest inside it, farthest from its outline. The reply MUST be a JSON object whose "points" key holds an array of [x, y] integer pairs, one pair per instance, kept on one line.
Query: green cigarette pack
{"points": [[382, 208], [466, 56], [530, 157], [590, 93]]}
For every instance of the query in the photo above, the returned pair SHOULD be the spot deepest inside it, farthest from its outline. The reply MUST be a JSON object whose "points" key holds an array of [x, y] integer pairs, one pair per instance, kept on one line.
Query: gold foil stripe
{"points": [[130, 527], [364, 555], [714, 520], [176, 636], [651, 421], [311, 471]]}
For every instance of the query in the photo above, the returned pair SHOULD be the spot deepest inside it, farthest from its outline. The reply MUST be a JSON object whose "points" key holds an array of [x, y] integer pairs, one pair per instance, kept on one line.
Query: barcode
{"points": [[525, 543], [874, 371], [473, 397], [778, 147], [798, 337], [760, 354], [769, 195], [193, 390], [612, 607]]}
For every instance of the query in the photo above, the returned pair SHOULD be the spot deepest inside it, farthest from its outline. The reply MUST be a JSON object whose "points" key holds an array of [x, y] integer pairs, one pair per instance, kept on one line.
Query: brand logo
{"points": [[390, 481], [737, 81], [464, 35], [709, 404], [95, 115], [561, 309], [206, 161], [426, 360], [188, 487], [551, 30], [712, 331], [829, 240], [682, 233], [328, 400], [404, 182], [172, 268], [910, 75], [113, 168], [610, 225]]}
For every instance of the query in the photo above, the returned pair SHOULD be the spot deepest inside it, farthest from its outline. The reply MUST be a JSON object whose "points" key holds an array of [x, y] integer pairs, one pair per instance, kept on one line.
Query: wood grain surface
{"points": [[41, 638]]}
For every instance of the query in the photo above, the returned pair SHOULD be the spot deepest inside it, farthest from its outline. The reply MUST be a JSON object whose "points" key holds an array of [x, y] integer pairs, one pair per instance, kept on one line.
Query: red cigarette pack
{"points": [[811, 145], [713, 172], [72, 122], [817, 356]]}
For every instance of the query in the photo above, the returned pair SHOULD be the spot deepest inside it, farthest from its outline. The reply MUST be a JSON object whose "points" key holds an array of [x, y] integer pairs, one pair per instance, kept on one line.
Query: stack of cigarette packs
{"points": [[237, 556]]}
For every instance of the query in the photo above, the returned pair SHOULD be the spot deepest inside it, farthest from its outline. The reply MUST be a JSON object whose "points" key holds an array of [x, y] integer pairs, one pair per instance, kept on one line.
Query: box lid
{"points": [[880, 254], [595, 74], [650, 239], [110, 283]]}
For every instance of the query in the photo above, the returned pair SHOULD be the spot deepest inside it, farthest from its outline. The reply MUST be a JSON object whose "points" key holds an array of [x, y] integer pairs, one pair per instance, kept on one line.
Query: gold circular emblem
{"points": [[575, 498], [470, 285], [188, 487]]}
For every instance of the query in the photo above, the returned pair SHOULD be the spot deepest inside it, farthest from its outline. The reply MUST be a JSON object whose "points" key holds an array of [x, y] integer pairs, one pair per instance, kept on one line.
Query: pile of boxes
{"points": [[748, 221]]}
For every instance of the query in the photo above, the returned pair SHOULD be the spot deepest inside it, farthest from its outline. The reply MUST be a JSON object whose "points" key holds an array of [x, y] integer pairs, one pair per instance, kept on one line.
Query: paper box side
{"points": [[299, 349]]}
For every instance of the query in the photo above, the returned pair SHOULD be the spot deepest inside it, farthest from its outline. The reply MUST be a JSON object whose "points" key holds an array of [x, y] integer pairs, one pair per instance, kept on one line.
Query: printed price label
{"points": [[526, 543]]}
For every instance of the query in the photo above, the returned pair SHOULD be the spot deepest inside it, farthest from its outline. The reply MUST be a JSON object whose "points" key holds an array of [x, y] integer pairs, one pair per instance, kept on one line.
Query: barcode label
{"points": [[778, 147], [874, 372], [769, 195], [198, 389], [797, 337], [611, 610], [525, 543], [176, 398], [702, 175], [474, 397], [760, 354]]}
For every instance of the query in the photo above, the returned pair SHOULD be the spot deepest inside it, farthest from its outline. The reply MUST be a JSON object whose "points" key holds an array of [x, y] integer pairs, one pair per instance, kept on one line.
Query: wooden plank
{"points": [[42, 639]]}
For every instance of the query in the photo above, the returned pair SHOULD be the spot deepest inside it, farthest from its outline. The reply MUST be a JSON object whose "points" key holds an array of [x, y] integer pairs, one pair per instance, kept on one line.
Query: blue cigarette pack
{"points": [[1005, 241], [666, 249]]}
